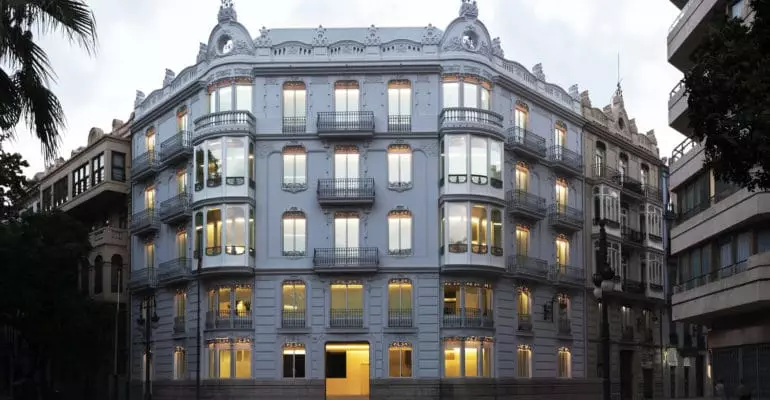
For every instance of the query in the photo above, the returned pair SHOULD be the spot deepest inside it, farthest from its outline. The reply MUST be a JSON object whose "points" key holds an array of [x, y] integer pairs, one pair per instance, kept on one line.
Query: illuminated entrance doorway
{"points": [[347, 371]]}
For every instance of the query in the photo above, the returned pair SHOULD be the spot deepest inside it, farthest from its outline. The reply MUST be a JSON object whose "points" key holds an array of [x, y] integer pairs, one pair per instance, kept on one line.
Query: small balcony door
{"points": [[346, 231], [522, 178], [561, 195], [346, 170], [559, 139], [149, 198], [522, 241], [150, 140], [562, 253], [181, 182]]}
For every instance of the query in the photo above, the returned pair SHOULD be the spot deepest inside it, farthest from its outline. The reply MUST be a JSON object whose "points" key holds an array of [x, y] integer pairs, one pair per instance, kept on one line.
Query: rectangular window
{"points": [[520, 119], [564, 364], [451, 93], [736, 8], [180, 306], [294, 100], [562, 251], [399, 165], [479, 243], [60, 192], [561, 195], [242, 363], [214, 177], [522, 240], [458, 227], [181, 244], [149, 198], [524, 362], [294, 166], [180, 364], [118, 166], [235, 225], [346, 231], [452, 355], [347, 296], [399, 98], [400, 361], [243, 97], [199, 162], [294, 296], [97, 169], [213, 232], [149, 255], [478, 158], [80, 180], [457, 159], [400, 233], [235, 164], [346, 168], [400, 295], [346, 96], [522, 178], [294, 362], [294, 234], [524, 302], [181, 181]]}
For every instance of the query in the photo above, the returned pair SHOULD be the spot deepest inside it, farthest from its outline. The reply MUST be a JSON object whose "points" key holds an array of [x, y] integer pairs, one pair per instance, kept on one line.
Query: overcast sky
{"points": [[577, 41]]}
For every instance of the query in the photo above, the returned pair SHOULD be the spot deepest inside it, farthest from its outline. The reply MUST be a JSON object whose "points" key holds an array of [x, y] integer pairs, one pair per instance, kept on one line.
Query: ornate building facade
{"points": [[364, 212]]}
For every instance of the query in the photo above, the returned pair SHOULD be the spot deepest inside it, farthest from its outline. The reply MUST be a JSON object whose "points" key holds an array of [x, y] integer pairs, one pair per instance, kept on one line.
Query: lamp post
{"points": [[603, 285], [148, 308]]}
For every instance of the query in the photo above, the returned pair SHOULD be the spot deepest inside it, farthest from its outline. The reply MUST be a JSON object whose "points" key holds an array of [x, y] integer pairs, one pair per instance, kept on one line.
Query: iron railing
{"points": [[525, 266], [630, 184], [346, 256], [345, 121], [630, 235], [345, 189], [521, 200], [399, 123], [145, 219], [652, 192], [179, 268], [400, 317], [713, 276], [144, 277], [295, 125], [177, 145], [346, 318], [464, 115], [519, 137], [563, 214], [228, 319], [569, 274], [564, 156], [604, 171], [525, 323], [144, 163], [293, 318], [179, 204], [467, 317]]}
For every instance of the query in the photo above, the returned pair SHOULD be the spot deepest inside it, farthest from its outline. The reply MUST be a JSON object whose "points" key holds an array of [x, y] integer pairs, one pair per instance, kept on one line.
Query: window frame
{"points": [[524, 353], [293, 351], [291, 181], [400, 159], [564, 356], [179, 366], [403, 232], [404, 352], [294, 215]]}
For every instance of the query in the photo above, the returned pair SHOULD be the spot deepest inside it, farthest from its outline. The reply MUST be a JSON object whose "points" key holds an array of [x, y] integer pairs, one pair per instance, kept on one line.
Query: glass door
{"points": [[346, 236], [559, 139], [346, 170], [561, 196], [562, 254]]}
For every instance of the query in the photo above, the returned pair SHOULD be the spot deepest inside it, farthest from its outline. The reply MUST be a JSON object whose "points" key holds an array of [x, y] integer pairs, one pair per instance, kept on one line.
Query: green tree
{"points": [[13, 183], [60, 329], [729, 98], [25, 70]]}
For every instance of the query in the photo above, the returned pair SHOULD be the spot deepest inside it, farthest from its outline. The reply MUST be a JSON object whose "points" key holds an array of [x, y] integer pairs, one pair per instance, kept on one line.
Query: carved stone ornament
{"points": [[431, 35], [263, 149], [227, 12], [320, 39], [264, 38], [139, 98], [469, 9], [202, 53], [293, 187], [372, 37], [497, 48], [431, 149]]}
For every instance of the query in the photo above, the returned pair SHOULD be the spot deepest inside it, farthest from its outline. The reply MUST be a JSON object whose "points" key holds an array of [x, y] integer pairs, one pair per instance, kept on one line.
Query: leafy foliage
{"points": [[60, 326], [12, 182], [729, 98], [24, 92]]}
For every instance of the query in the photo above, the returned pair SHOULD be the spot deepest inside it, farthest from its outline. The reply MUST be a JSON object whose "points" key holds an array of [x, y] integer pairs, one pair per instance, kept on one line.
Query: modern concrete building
{"points": [[93, 186], [721, 243], [623, 187], [376, 212]]}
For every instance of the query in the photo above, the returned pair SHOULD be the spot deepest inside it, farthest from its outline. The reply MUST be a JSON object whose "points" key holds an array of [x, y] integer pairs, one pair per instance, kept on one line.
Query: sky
{"points": [[577, 41]]}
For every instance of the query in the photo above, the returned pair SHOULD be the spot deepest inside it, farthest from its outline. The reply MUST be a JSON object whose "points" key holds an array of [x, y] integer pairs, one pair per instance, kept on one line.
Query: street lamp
{"points": [[603, 284], [148, 308]]}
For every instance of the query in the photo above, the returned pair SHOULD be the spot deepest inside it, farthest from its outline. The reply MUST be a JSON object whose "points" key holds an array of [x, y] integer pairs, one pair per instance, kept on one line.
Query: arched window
{"points": [[116, 281], [98, 274], [294, 233]]}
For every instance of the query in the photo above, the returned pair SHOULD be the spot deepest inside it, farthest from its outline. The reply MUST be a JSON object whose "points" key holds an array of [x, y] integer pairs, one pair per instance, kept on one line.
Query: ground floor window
{"points": [[229, 359], [468, 357], [294, 360], [347, 369], [400, 360]]}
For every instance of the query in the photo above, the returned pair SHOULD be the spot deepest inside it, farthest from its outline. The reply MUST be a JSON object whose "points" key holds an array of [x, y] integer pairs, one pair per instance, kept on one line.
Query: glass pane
{"points": [[458, 227], [452, 359], [451, 94], [224, 363], [214, 161], [470, 95], [236, 158], [457, 153], [496, 159], [478, 156], [214, 228], [471, 358], [236, 230], [479, 228], [226, 98], [243, 97]]}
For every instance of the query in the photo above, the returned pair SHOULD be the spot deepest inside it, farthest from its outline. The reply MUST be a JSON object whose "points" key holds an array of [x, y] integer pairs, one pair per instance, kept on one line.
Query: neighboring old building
{"points": [[92, 186], [720, 239], [375, 210], [623, 185]]}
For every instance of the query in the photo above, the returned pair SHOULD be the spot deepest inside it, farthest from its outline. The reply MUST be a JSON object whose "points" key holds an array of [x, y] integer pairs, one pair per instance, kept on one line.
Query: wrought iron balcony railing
{"points": [[346, 256], [295, 125], [565, 216], [346, 189], [332, 122], [176, 146], [526, 141], [143, 278], [176, 269], [144, 164], [145, 220], [293, 318], [346, 318], [229, 319], [467, 317], [463, 116], [177, 206], [400, 317], [564, 157], [568, 274], [653, 193], [525, 323], [523, 202], [631, 185], [399, 123], [604, 171], [632, 236], [522, 266]]}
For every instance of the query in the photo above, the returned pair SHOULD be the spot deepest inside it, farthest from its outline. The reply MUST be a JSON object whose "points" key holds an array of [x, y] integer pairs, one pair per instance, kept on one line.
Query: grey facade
{"points": [[406, 196]]}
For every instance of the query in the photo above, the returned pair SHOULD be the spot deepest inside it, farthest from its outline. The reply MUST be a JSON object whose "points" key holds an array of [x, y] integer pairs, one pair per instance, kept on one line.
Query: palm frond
{"points": [[9, 100], [73, 18], [42, 111]]}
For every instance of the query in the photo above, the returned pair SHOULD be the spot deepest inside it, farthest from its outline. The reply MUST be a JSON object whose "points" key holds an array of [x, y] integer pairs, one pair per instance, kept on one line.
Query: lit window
{"points": [[252, 232], [484, 157], [198, 234], [522, 178], [294, 168], [182, 119], [564, 364], [149, 255], [524, 361], [520, 118], [213, 232], [214, 161], [524, 302], [294, 104], [346, 230], [243, 361], [222, 364], [236, 161], [522, 240], [346, 96], [252, 167], [235, 236], [467, 304], [346, 305], [181, 244], [400, 360], [399, 166], [399, 303], [561, 195], [181, 181], [399, 106], [149, 141], [149, 198], [180, 363], [294, 360], [485, 229], [400, 233], [562, 253], [560, 136], [468, 358], [199, 169], [294, 233], [293, 295]]}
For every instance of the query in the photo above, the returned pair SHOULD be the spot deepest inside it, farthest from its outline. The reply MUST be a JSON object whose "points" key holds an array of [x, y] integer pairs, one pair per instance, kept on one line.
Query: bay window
{"points": [[235, 223], [235, 164], [466, 91], [485, 229], [467, 304], [229, 95], [226, 227], [607, 205], [482, 156], [238, 156], [654, 216], [213, 232], [214, 160], [469, 357]]}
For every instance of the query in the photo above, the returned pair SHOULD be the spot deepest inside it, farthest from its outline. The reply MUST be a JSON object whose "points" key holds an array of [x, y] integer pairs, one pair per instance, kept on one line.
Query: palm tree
{"points": [[25, 70]]}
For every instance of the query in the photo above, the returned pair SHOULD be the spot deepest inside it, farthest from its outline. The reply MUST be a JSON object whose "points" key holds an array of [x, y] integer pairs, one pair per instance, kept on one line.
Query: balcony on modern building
{"points": [[224, 122], [464, 118], [176, 148], [229, 319], [175, 271], [524, 324], [568, 276], [145, 221], [142, 279], [742, 287], [400, 318], [176, 209], [108, 236], [346, 318], [566, 218], [345, 191], [528, 268], [467, 317], [293, 319], [345, 124], [689, 28], [565, 161], [346, 260], [526, 144], [631, 237], [522, 204], [294, 125], [145, 165], [678, 118]]}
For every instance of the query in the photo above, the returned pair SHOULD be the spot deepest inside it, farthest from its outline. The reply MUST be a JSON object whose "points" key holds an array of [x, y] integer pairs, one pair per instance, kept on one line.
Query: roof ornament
{"points": [[227, 12], [469, 9]]}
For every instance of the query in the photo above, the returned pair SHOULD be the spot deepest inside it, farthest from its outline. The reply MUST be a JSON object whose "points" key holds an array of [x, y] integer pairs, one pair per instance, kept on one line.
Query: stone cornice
{"points": [[167, 105], [599, 131], [333, 69], [540, 100]]}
